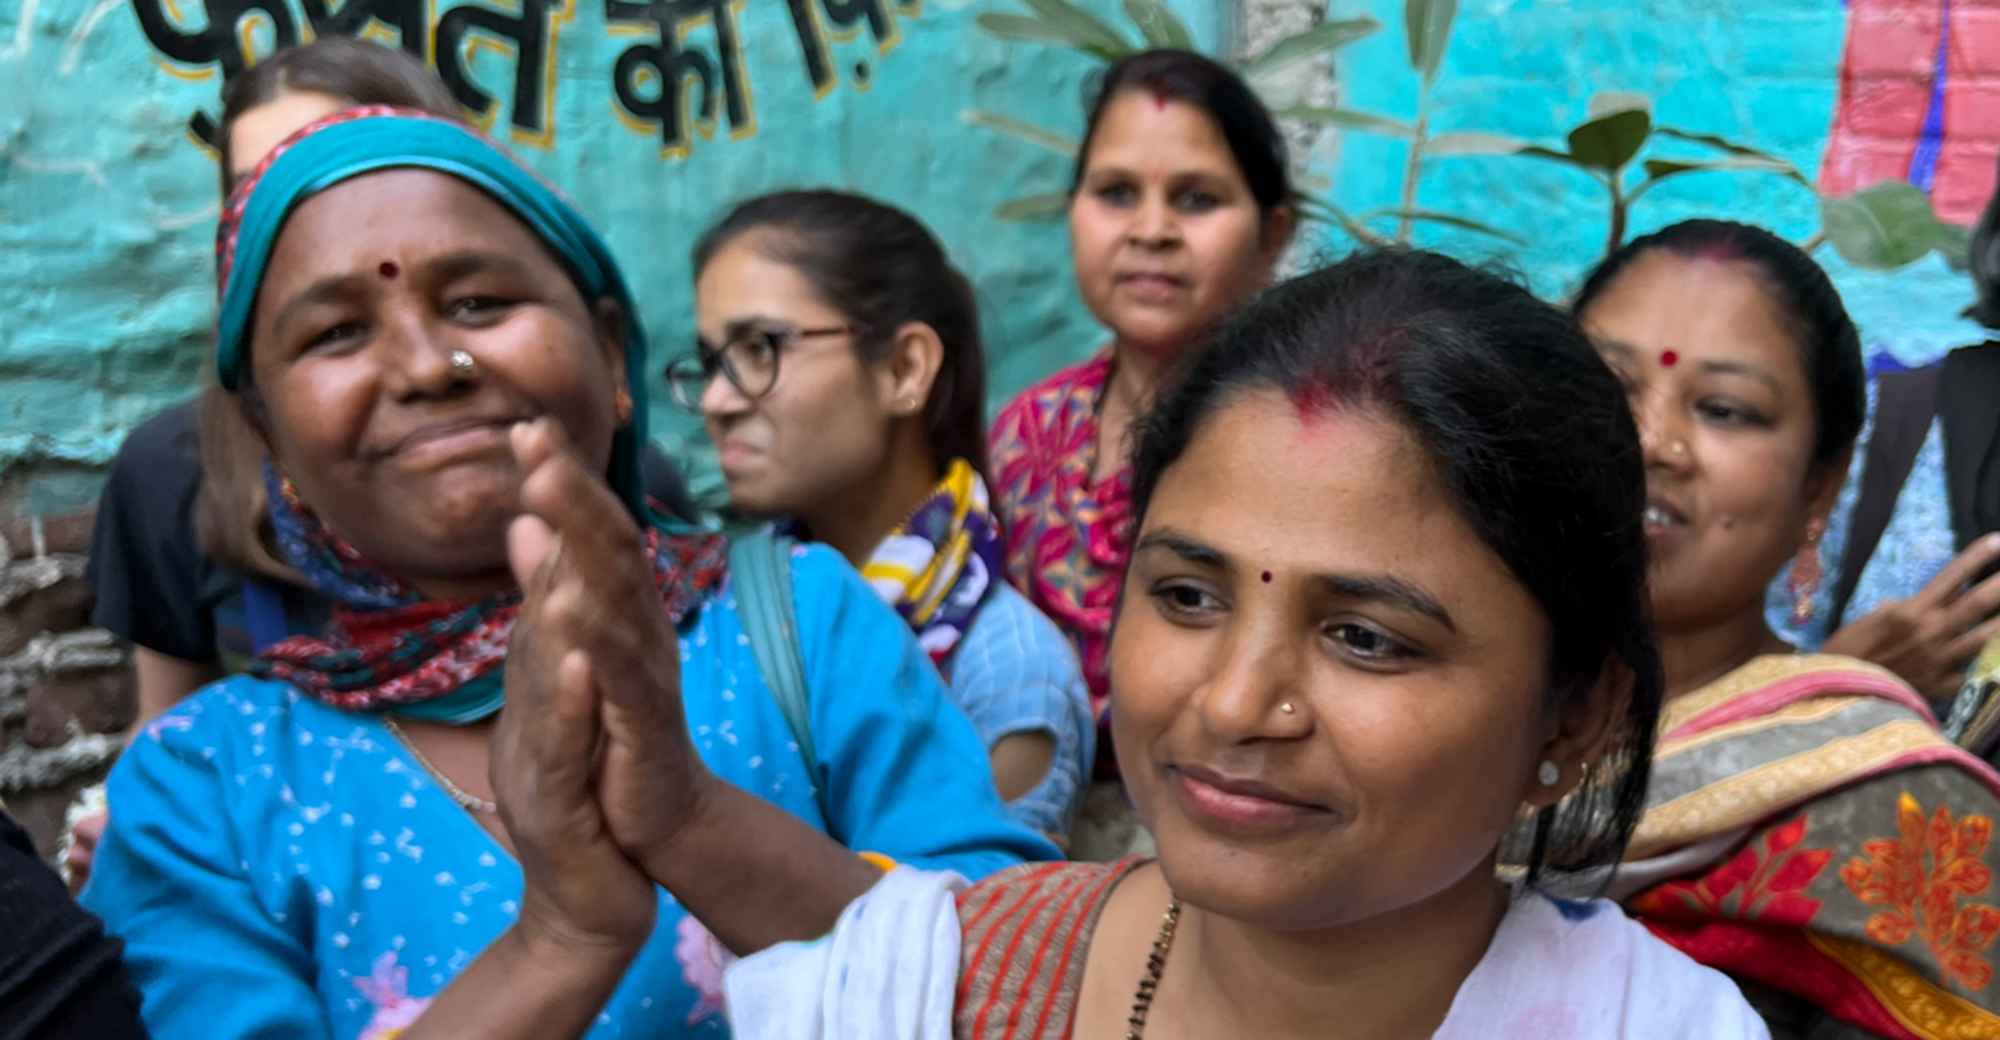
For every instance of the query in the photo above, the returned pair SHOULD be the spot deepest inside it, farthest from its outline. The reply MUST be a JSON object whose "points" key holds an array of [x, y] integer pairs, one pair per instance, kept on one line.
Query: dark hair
{"points": [[1532, 440], [883, 269], [1984, 262], [1188, 77], [232, 516], [352, 70], [1828, 342]]}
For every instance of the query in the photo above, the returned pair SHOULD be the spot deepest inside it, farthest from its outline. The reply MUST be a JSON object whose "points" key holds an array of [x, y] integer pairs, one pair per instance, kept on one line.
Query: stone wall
{"points": [[65, 689]]}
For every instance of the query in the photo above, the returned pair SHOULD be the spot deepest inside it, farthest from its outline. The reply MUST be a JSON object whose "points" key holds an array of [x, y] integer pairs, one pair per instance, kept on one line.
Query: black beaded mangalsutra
{"points": [[1142, 1001]]}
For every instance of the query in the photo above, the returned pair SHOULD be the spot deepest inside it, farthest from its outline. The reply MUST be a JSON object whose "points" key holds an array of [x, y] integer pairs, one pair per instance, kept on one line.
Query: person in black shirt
{"points": [[60, 975]]}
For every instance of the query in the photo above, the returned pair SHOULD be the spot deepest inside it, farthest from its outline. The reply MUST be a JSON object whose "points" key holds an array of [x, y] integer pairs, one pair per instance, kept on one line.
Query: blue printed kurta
{"points": [[279, 868]]}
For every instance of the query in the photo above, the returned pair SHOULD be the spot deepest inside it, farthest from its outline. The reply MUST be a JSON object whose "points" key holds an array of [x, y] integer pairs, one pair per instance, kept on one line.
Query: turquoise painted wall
{"points": [[107, 205], [1766, 74], [107, 200]]}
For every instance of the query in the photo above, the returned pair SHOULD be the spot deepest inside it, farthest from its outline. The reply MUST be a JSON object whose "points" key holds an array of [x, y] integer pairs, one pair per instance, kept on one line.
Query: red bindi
{"points": [[1267, 577], [1669, 359], [388, 269]]}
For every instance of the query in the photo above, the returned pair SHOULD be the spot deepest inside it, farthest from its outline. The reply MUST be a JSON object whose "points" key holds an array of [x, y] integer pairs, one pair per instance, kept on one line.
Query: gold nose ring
{"points": [[462, 363]]}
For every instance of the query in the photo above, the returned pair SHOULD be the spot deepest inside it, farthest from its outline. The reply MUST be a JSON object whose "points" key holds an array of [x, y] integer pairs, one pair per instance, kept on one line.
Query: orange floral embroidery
{"points": [[1920, 877], [1767, 883]]}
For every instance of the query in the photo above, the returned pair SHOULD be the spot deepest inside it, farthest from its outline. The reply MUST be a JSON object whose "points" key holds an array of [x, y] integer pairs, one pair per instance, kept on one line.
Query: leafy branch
{"points": [[1882, 227]]}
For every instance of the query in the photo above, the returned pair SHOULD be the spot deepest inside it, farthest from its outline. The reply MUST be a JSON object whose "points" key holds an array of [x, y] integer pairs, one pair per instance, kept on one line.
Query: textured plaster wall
{"points": [[1922, 101], [107, 204], [107, 200]]}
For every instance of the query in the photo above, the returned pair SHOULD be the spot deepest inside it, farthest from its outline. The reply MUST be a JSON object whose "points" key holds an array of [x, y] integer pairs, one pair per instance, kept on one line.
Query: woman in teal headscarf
{"points": [[447, 366]]}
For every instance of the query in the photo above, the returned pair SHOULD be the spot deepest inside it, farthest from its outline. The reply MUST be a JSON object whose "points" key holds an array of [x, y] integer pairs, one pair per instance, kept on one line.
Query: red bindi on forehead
{"points": [[1314, 399], [1669, 359], [388, 269]]}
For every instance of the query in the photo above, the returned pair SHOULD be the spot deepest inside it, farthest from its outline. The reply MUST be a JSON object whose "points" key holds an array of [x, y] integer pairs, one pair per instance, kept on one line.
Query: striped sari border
{"points": [[1022, 933]]}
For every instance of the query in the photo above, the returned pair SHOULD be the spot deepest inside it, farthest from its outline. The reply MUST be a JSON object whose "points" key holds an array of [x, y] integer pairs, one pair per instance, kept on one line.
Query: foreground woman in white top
{"points": [[1383, 644]]}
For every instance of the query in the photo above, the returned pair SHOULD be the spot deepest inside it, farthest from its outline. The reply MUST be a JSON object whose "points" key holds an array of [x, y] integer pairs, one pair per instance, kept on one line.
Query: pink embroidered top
{"points": [[1066, 536]]}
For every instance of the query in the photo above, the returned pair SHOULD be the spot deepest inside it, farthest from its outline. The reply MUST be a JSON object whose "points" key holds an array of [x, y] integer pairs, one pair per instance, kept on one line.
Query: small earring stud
{"points": [[1550, 774]]}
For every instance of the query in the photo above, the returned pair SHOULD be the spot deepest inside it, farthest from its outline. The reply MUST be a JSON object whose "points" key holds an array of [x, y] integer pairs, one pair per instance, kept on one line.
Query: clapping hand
{"points": [[602, 601], [752, 872], [581, 888]]}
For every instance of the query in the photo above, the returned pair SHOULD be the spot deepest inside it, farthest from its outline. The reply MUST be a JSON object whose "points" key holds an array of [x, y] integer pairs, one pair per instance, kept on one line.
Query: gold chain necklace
{"points": [[458, 794], [1149, 986]]}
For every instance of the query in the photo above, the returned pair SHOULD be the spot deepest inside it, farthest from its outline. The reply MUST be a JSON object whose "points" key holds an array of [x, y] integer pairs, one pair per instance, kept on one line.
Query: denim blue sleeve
{"points": [[171, 880], [905, 774], [1917, 543], [1015, 672]]}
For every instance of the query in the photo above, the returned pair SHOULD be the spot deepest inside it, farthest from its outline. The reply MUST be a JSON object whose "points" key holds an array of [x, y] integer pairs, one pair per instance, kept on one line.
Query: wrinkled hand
{"points": [[601, 599], [83, 849], [581, 891], [1929, 638]]}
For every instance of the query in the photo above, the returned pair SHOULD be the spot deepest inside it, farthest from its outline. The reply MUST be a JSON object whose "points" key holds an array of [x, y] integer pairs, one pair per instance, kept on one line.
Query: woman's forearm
{"points": [[755, 874], [526, 986]]}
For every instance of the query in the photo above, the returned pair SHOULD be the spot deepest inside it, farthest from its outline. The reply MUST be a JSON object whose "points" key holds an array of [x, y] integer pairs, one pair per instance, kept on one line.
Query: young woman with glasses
{"points": [[840, 373]]}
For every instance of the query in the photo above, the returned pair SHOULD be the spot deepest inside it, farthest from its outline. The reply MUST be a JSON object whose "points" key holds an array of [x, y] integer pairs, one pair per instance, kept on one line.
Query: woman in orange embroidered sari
{"points": [[1807, 828]]}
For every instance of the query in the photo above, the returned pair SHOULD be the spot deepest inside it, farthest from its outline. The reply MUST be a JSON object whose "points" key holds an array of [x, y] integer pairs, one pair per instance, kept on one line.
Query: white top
{"points": [[1558, 969], [1562, 969]]}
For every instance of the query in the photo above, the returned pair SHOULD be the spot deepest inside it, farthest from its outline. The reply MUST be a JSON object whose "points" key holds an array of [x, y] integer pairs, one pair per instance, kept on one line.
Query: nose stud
{"points": [[1287, 708], [462, 364]]}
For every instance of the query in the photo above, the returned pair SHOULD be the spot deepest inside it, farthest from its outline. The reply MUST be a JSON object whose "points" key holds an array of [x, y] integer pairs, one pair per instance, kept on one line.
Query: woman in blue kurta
{"points": [[316, 851]]}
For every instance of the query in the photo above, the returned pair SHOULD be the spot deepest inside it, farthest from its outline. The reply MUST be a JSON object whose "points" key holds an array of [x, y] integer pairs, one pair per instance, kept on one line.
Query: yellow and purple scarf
{"points": [[937, 567]]}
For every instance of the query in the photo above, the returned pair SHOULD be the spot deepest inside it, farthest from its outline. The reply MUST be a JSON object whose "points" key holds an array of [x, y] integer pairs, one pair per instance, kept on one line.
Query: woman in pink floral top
{"points": [[1180, 207]]}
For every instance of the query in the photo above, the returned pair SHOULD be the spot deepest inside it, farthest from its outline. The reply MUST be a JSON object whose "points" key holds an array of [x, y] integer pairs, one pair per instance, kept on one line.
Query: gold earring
{"points": [[624, 406]]}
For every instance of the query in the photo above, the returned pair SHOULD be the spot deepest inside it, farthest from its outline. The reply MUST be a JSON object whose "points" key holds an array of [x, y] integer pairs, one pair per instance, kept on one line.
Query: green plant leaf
{"points": [[1660, 169], [1611, 102], [1321, 38], [1431, 216], [1427, 23], [1954, 243], [1474, 143], [1021, 28], [1158, 26], [1535, 151], [1091, 34], [1882, 227], [1346, 119], [1723, 144], [1033, 208], [1026, 131], [1610, 141], [1309, 208]]}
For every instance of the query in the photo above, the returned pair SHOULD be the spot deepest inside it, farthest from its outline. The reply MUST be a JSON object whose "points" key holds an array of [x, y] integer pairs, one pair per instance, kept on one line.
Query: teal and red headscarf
{"points": [[388, 648]]}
